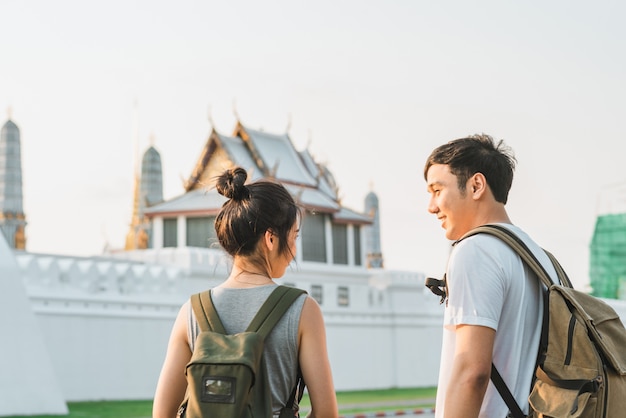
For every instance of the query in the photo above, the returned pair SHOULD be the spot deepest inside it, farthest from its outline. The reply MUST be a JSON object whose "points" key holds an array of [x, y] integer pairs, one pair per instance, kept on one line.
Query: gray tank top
{"points": [[236, 308]]}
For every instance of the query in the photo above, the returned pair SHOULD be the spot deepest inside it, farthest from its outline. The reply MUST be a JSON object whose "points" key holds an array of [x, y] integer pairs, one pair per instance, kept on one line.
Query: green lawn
{"points": [[381, 400], [357, 401]]}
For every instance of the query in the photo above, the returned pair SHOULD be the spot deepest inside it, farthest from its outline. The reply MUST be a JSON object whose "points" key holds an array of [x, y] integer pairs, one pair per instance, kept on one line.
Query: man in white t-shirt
{"points": [[494, 308]]}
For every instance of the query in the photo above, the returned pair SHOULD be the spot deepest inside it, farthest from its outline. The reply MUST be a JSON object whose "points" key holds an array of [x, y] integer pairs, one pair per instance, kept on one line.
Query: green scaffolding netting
{"points": [[607, 260]]}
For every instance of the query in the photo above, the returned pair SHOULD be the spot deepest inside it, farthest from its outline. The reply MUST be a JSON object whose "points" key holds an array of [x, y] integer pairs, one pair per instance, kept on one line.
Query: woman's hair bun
{"points": [[231, 184]]}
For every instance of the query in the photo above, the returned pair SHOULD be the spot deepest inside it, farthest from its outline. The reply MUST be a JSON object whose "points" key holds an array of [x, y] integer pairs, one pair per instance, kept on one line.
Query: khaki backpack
{"points": [[226, 377], [581, 363]]}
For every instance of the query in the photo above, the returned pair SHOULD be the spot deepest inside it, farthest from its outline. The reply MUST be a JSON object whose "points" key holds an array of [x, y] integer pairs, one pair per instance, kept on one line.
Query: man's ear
{"points": [[477, 185]]}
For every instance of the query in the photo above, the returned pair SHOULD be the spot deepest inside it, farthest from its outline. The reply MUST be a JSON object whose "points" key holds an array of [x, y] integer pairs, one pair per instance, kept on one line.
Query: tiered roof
{"points": [[262, 155]]}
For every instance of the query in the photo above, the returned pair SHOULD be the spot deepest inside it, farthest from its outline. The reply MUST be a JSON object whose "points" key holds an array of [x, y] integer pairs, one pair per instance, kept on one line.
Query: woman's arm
{"points": [[172, 382], [313, 356]]}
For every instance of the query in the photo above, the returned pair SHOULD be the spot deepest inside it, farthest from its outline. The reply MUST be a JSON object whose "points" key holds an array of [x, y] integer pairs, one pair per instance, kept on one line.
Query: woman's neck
{"points": [[242, 277]]}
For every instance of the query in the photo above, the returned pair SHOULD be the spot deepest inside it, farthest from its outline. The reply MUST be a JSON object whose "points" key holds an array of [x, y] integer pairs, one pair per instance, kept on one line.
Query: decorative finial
{"points": [[9, 112], [298, 196], [274, 170], [235, 109], [135, 137], [211, 117], [152, 139]]}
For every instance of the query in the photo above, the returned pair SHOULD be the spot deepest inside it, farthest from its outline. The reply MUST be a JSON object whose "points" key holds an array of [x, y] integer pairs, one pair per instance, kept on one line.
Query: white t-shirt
{"points": [[489, 285]]}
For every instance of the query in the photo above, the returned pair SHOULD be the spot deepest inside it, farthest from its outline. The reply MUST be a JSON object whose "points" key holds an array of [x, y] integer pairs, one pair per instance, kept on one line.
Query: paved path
{"points": [[422, 412], [402, 409]]}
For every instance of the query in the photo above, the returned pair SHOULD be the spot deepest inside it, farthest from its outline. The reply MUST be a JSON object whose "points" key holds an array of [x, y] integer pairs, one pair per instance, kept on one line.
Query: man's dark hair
{"points": [[477, 154]]}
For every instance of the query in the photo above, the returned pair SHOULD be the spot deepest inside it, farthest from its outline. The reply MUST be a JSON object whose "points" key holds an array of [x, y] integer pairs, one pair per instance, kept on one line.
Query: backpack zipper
{"points": [[605, 381], [570, 338]]}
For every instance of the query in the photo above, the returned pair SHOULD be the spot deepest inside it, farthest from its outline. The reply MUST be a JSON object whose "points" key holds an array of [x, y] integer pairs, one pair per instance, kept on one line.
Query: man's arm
{"points": [[471, 371]]}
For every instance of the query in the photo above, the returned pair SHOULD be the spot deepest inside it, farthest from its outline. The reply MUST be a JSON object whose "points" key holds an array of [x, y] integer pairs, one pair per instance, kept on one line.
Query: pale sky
{"points": [[370, 87]]}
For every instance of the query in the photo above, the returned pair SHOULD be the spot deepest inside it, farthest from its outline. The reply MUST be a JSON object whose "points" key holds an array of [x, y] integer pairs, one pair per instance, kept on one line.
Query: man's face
{"points": [[451, 205]]}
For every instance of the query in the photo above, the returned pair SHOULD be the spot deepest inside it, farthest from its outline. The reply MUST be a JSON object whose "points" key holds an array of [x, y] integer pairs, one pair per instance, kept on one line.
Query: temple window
{"points": [[201, 232], [343, 296], [340, 244], [357, 245], [316, 293], [170, 232], [313, 237]]}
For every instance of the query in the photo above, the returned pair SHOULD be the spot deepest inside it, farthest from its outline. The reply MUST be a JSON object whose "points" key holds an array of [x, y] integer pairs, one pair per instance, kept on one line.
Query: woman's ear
{"points": [[269, 239]]}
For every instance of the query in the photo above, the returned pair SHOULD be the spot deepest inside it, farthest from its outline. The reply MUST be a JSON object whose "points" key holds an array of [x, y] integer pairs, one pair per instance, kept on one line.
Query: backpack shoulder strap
{"points": [[264, 321], [524, 252], [206, 315], [505, 393], [565, 281], [273, 309]]}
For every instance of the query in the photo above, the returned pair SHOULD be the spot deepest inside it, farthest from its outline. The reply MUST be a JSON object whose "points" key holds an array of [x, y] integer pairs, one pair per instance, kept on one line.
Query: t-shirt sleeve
{"points": [[476, 283]]}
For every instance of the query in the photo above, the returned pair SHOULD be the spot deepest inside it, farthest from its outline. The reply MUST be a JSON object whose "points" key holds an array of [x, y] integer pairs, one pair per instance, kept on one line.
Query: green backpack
{"points": [[225, 376]]}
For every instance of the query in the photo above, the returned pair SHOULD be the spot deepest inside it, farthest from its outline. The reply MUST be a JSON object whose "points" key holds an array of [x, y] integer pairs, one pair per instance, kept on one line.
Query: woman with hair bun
{"points": [[258, 227]]}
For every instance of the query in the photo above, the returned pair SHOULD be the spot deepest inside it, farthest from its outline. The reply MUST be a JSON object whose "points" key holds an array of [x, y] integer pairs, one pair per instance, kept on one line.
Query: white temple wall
{"points": [[28, 384], [105, 348], [360, 355], [619, 306], [106, 323], [383, 350], [417, 351], [107, 331]]}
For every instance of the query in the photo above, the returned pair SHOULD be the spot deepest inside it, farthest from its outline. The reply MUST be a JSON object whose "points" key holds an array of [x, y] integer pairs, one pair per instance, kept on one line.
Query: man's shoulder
{"points": [[486, 239], [489, 249], [492, 247]]}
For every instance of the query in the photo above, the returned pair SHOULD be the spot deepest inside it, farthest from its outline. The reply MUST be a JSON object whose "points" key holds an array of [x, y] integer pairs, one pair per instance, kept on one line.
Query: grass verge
{"points": [[349, 403]]}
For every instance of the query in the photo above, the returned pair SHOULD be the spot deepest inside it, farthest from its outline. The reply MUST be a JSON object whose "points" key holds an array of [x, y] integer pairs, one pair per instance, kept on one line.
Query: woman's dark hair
{"points": [[478, 153], [250, 211]]}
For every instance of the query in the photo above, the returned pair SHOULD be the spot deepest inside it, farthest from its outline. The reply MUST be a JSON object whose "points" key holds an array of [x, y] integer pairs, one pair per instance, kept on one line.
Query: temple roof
{"points": [[11, 200], [198, 201], [237, 151], [262, 155], [9, 124], [278, 157]]}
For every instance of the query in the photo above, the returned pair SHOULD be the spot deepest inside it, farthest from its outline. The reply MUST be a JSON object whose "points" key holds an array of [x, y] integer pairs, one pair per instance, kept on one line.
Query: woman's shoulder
{"points": [[311, 310]]}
